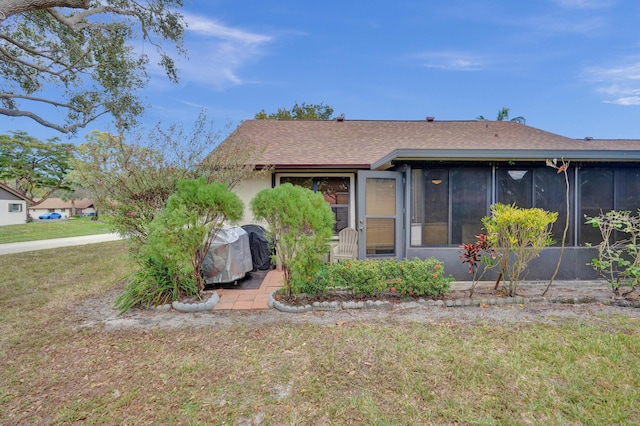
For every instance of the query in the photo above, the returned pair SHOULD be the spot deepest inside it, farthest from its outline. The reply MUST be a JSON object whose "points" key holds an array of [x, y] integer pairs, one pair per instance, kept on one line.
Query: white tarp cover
{"points": [[229, 256]]}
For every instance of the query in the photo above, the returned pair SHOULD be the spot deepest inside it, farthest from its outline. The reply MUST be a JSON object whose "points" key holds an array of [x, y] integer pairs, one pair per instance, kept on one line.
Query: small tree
{"points": [[301, 224], [133, 177], [179, 238], [518, 235], [503, 114], [618, 260]]}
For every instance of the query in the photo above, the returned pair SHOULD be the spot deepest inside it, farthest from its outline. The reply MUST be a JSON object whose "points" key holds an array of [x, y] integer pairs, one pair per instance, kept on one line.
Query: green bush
{"points": [[372, 277], [517, 235], [618, 260], [155, 283], [300, 225], [177, 242]]}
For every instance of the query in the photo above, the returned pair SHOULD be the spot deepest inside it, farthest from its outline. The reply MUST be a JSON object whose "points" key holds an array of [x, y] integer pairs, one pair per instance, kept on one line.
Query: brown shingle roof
{"points": [[363, 144], [15, 192]]}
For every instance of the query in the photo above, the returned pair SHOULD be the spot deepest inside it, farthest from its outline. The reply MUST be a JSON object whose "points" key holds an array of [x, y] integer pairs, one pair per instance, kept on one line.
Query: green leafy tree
{"points": [[503, 114], [81, 57], [133, 178], [300, 224], [179, 238], [35, 168], [299, 112]]}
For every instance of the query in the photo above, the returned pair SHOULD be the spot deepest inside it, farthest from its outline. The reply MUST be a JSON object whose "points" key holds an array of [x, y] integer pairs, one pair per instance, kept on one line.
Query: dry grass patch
{"points": [[347, 373]]}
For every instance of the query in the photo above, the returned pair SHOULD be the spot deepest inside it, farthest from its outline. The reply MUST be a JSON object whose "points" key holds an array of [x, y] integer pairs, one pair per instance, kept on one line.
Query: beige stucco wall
{"points": [[246, 191]]}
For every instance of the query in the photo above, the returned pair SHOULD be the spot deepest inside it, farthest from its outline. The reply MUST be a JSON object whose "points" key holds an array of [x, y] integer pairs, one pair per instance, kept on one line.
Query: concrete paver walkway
{"points": [[250, 299]]}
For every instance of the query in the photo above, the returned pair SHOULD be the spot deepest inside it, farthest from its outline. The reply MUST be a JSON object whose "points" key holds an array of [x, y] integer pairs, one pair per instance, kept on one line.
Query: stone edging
{"points": [[377, 304], [197, 307]]}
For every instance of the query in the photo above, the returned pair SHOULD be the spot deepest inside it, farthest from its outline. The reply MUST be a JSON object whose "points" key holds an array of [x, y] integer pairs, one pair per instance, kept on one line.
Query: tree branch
{"points": [[13, 7], [64, 129]]}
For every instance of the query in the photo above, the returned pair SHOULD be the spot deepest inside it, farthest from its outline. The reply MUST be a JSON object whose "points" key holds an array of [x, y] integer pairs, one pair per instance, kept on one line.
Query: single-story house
{"points": [[420, 188], [13, 206], [67, 208]]}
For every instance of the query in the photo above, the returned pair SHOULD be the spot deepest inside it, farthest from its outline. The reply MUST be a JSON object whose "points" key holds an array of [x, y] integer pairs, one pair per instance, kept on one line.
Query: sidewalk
{"points": [[55, 243]]}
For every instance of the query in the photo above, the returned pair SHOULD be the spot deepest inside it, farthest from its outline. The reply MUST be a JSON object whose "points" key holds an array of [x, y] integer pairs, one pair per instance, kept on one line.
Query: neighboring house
{"points": [[421, 188], [13, 206], [67, 208]]}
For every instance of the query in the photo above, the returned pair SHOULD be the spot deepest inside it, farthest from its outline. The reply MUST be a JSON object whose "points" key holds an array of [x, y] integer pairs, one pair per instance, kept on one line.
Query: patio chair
{"points": [[347, 247]]}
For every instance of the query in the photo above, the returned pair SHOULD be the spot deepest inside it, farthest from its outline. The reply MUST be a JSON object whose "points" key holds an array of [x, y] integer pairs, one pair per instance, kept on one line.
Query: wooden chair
{"points": [[347, 247]]}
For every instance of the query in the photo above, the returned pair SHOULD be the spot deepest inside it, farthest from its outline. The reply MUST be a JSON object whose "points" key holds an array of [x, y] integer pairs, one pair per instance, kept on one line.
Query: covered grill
{"points": [[229, 256]]}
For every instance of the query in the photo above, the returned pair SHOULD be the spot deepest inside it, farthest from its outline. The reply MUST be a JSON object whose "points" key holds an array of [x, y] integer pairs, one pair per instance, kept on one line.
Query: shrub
{"points": [[178, 240], [518, 235], [475, 253], [300, 224], [155, 283], [132, 176], [618, 260], [372, 277]]}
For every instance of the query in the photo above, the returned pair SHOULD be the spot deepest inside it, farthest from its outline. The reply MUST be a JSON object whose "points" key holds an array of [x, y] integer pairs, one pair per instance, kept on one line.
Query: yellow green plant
{"points": [[518, 235]]}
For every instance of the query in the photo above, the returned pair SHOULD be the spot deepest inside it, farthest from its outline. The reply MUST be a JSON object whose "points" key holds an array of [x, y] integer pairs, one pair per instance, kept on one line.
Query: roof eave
{"points": [[15, 193], [315, 166], [505, 154]]}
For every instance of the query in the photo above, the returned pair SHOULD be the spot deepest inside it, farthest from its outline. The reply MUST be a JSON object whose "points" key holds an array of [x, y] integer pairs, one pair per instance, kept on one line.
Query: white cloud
{"points": [[585, 4], [621, 83], [454, 61], [210, 28], [217, 53], [626, 101]]}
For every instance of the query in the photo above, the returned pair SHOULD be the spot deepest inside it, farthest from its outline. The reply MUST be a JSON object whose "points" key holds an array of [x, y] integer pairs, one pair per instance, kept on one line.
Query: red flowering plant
{"points": [[480, 257]]}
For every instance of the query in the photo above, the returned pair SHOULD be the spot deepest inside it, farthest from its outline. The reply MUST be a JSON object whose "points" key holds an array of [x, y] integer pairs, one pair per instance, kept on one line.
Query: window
{"points": [[448, 204], [615, 187], [15, 207], [596, 195], [540, 187], [627, 184], [336, 191]]}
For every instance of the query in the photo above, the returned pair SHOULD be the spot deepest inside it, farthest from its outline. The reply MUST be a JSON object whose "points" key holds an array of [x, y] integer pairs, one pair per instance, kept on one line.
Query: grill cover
{"points": [[229, 256], [260, 251]]}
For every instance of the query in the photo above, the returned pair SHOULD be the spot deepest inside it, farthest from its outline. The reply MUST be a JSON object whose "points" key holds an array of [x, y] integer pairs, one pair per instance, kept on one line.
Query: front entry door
{"points": [[380, 215]]}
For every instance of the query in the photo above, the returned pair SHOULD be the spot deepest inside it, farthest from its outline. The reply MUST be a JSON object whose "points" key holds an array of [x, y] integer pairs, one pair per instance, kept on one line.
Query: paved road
{"points": [[55, 243]]}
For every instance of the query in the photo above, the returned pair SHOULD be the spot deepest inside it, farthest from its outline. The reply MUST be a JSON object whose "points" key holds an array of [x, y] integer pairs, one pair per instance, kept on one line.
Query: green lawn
{"points": [[45, 230], [293, 372]]}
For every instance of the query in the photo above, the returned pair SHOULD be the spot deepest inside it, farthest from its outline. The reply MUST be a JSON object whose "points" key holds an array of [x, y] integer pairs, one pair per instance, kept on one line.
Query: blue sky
{"points": [[571, 67]]}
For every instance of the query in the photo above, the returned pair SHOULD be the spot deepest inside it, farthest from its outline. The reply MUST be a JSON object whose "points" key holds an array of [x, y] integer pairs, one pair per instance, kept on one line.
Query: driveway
{"points": [[55, 243]]}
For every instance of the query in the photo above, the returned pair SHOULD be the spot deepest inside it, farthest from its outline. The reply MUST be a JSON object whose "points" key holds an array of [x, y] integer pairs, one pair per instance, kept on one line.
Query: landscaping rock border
{"points": [[199, 306], [454, 303]]}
